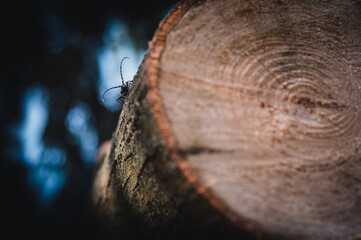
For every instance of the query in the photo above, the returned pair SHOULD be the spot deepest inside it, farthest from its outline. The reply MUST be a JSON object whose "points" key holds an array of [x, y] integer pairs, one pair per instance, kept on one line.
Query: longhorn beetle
{"points": [[124, 88]]}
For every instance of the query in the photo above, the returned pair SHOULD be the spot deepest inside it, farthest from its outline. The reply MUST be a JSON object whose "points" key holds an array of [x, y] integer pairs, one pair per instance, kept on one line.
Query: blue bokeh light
{"points": [[32, 128], [46, 175], [79, 124], [47, 182]]}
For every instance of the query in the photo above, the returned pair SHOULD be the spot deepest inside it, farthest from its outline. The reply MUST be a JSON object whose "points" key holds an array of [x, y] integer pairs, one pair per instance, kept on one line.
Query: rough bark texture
{"points": [[244, 117]]}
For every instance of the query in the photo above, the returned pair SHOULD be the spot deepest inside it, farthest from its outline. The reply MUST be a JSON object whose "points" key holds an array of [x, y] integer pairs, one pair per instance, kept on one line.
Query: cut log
{"points": [[244, 118]]}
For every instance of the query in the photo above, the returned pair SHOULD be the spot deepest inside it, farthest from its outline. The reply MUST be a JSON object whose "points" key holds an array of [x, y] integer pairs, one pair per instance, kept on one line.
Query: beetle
{"points": [[124, 88]]}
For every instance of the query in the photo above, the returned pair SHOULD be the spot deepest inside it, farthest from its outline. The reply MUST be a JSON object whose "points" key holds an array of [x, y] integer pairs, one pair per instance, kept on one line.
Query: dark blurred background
{"points": [[57, 60]]}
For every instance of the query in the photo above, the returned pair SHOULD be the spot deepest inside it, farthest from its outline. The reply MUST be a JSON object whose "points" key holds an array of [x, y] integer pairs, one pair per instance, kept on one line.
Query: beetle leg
{"points": [[120, 100]]}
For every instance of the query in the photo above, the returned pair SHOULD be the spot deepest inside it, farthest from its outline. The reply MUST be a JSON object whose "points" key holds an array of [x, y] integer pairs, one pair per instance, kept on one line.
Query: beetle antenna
{"points": [[121, 72], [121, 75], [110, 89]]}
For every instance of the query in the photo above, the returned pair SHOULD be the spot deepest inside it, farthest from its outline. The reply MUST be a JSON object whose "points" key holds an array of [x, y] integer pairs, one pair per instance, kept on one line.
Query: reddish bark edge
{"points": [[156, 46]]}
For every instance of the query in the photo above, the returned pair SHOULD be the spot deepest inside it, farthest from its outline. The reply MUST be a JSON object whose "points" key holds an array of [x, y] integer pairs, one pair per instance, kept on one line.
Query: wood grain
{"points": [[244, 117], [263, 101]]}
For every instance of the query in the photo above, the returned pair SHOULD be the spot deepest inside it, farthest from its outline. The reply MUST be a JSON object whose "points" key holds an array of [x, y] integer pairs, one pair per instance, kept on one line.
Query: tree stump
{"points": [[243, 120]]}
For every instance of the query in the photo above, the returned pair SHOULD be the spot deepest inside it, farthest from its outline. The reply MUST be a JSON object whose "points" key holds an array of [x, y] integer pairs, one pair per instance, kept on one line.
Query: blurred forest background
{"points": [[57, 60]]}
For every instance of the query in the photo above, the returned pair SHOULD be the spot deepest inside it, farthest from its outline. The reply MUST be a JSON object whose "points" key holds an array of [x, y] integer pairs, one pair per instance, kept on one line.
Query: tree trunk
{"points": [[243, 121]]}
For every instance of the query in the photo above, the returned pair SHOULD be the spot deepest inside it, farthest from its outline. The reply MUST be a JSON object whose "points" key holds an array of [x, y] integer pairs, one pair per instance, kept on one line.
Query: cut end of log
{"points": [[260, 104], [244, 114]]}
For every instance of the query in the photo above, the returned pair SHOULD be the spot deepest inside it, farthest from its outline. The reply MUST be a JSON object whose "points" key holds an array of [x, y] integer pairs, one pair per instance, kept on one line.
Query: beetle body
{"points": [[124, 88]]}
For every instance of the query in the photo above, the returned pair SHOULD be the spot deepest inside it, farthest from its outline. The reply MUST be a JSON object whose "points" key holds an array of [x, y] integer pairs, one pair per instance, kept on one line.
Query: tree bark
{"points": [[243, 121]]}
